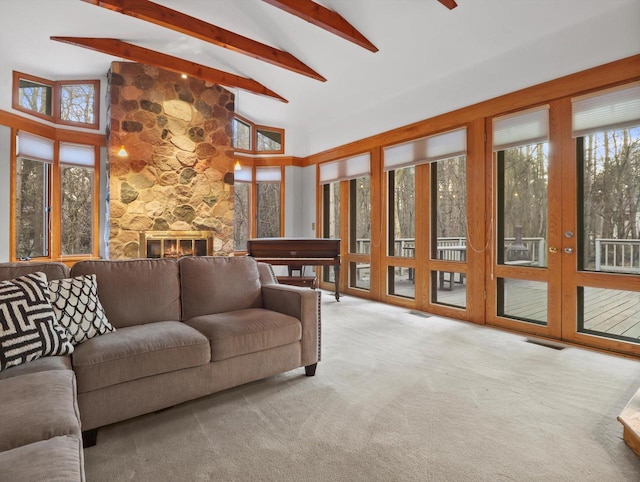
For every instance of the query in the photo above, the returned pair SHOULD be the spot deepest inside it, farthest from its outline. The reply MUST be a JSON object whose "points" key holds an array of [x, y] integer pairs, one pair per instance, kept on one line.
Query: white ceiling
{"points": [[431, 60]]}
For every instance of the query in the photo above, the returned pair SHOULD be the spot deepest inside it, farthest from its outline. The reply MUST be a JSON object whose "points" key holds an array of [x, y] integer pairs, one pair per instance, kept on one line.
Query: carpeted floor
{"points": [[396, 397]]}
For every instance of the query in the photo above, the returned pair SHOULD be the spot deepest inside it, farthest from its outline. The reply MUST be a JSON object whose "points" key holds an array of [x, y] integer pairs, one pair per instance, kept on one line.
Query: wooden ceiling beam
{"points": [[125, 50], [324, 18], [450, 4], [194, 27]]}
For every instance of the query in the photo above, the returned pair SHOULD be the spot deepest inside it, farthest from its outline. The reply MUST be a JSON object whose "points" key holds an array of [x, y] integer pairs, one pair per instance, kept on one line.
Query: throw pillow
{"points": [[77, 306], [28, 326]]}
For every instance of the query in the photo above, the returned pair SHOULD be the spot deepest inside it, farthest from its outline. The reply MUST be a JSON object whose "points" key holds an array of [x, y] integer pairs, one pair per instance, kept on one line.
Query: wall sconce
{"points": [[237, 166], [122, 152]]}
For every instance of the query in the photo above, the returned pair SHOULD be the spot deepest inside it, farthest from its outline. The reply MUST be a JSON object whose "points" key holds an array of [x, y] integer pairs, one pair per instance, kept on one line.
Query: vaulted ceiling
{"points": [[328, 71]]}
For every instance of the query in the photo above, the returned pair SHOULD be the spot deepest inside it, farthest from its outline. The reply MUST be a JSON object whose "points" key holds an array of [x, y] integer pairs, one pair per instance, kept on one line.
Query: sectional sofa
{"points": [[179, 329]]}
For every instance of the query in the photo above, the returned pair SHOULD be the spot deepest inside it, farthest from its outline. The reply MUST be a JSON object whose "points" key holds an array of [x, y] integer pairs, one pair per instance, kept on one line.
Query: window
{"points": [[241, 134], [268, 201], [248, 137], [330, 220], [55, 191], [71, 102], [257, 194], [521, 143], [242, 208]]}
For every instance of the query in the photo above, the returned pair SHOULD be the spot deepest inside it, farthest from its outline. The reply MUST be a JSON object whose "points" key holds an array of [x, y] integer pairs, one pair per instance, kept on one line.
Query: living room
{"points": [[533, 258]]}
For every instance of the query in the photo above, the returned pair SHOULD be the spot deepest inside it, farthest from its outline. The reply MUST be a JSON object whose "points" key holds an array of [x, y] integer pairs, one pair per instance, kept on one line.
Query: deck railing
{"points": [[622, 255]]}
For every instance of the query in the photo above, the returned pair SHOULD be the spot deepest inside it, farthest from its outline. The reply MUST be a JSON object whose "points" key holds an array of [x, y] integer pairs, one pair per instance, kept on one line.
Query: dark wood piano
{"points": [[296, 253]]}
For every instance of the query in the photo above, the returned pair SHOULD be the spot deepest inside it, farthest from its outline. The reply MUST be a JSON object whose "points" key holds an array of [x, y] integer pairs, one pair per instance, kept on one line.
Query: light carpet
{"points": [[396, 397]]}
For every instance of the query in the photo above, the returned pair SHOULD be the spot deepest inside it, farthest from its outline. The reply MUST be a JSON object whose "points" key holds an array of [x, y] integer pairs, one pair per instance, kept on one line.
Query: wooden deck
{"points": [[606, 312]]}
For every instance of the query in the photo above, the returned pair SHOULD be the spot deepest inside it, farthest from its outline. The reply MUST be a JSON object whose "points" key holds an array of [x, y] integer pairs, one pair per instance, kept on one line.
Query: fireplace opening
{"points": [[175, 244]]}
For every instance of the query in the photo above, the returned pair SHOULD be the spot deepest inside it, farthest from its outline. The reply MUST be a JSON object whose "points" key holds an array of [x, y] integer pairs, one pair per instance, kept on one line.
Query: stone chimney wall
{"points": [[178, 174]]}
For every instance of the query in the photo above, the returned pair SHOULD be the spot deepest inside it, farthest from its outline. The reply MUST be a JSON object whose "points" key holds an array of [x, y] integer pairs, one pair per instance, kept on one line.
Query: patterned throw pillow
{"points": [[78, 309], [28, 326]]}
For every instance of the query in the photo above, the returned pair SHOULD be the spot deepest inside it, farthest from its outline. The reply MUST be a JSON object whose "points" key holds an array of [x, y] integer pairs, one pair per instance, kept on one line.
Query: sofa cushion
{"points": [[53, 270], [138, 351], [28, 326], [39, 365], [37, 406], [135, 291], [77, 307], [246, 331], [58, 459], [218, 284]]}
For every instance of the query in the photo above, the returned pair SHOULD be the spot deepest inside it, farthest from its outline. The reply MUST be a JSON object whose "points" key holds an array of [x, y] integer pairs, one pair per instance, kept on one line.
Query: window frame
{"points": [[253, 136], [56, 88], [54, 238]]}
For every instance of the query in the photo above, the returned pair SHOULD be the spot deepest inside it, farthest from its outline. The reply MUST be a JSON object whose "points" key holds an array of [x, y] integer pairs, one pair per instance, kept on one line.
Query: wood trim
{"points": [[256, 128], [450, 4], [262, 161], [282, 200], [15, 97], [66, 135], [194, 27], [12, 193], [125, 50], [596, 78], [324, 18]]}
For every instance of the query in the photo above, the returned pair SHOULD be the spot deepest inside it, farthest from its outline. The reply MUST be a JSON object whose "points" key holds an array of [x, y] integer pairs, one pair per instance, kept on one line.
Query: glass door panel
{"points": [[360, 232], [522, 205], [330, 221]]}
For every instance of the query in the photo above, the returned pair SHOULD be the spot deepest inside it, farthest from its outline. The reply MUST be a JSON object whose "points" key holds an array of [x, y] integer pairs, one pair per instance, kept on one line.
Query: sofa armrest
{"points": [[303, 304]]}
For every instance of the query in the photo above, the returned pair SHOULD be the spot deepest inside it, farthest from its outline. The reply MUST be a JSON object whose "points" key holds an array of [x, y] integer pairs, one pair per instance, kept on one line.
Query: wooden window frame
{"points": [[18, 123], [56, 87], [253, 136]]}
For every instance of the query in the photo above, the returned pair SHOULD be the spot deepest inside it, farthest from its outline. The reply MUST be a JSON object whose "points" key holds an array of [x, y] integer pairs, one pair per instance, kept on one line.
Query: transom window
{"points": [[70, 102], [249, 137]]}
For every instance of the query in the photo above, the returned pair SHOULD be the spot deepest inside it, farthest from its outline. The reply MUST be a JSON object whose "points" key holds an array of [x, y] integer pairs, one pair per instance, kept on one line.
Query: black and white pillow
{"points": [[78, 309], [28, 326]]}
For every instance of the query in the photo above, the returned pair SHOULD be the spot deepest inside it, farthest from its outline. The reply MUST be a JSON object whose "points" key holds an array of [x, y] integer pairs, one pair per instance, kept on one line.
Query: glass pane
{"points": [[268, 205], [359, 275], [241, 135], [77, 103], [523, 300], [35, 96], [267, 140], [610, 205], [612, 313], [449, 208], [77, 210], [401, 281], [241, 204], [32, 207], [449, 288], [522, 205], [330, 220], [360, 215], [402, 212]]}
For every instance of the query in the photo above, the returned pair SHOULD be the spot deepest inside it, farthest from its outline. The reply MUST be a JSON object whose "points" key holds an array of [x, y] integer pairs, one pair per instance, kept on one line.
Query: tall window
{"points": [[521, 143], [607, 127], [242, 208], [268, 193], [330, 220], [55, 192], [71, 102]]}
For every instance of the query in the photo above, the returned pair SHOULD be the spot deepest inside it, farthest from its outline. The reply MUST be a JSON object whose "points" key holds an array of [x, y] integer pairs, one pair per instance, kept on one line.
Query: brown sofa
{"points": [[184, 329]]}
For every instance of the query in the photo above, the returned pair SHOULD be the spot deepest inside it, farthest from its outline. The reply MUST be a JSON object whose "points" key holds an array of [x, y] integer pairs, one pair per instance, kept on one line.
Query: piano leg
{"points": [[337, 275]]}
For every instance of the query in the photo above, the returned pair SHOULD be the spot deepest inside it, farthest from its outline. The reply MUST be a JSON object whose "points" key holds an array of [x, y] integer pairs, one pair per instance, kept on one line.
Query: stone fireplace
{"points": [[178, 174], [175, 244]]}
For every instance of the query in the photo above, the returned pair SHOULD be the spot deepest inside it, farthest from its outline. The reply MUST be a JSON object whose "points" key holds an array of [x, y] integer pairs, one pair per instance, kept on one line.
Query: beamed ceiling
{"points": [[328, 71]]}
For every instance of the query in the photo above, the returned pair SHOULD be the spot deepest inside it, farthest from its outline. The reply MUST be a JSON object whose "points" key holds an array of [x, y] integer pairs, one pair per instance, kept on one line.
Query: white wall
{"points": [[300, 201], [5, 187]]}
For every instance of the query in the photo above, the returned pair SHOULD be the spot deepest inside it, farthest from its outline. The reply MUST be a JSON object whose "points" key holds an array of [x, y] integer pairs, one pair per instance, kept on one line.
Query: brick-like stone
{"points": [[184, 143], [144, 82], [130, 105], [205, 150], [128, 193], [186, 158], [150, 106], [187, 175], [178, 109], [132, 126], [196, 134], [130, 92], [204, 109], [184, 213]]}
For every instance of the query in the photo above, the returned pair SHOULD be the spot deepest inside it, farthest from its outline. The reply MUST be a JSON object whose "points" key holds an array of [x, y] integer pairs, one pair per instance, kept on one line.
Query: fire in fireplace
{"points": [[175, 244]]}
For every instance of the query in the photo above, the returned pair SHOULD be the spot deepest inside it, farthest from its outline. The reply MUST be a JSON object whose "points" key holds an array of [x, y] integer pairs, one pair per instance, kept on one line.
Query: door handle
{"points": [[553, 250]]}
